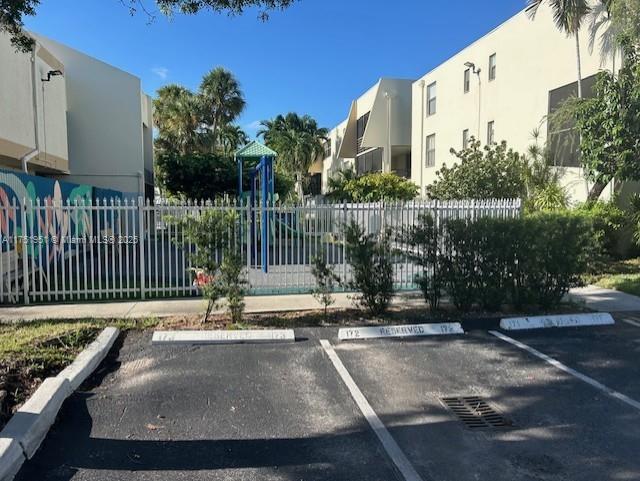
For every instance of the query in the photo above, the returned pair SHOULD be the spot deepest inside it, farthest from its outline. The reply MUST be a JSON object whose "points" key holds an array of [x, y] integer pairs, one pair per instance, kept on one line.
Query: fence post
{"points": [[25, 264], [141, 236], [344, 242]]}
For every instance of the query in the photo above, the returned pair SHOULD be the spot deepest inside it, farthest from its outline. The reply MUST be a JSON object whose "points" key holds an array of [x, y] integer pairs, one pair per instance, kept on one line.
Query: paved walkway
{"points": [[595, 298], [176, 307], [605, 300]]}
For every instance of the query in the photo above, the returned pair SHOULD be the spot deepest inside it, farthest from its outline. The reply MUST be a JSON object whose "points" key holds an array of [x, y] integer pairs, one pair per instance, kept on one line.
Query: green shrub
{"points": [[493, 171], [634, 217], [460, 263], [372, 271], [492, 261], [211, 233], [608, 223], [371, 187], [423, 241], [232, 283], [326, 280]]}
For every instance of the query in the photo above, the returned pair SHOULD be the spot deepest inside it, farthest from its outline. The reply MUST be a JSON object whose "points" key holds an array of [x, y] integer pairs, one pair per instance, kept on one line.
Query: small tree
{"points": [[232, 283], [494, 171], [326, 280], [609, 125], [210, 234], [369, 258]]}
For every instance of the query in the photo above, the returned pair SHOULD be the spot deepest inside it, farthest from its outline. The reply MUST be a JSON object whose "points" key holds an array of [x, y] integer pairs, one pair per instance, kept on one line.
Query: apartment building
{"points": [[502, 87], [375, 136], [68, 116]]}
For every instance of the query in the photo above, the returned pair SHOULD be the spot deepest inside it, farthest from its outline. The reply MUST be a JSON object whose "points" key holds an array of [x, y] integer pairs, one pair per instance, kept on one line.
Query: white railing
{"points": [[110, 250]]}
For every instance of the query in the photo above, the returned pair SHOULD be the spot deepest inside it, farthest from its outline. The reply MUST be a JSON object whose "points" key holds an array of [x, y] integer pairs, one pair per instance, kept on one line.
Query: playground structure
{"points": [[262, 179]]}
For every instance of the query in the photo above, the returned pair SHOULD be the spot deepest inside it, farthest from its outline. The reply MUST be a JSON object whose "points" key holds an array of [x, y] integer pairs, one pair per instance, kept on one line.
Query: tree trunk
{"points": [[596, 190], [298, 187], [579, 64]]}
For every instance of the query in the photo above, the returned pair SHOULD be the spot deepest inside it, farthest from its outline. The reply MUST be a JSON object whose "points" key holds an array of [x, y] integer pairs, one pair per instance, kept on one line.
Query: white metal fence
{"points": [[110, 250]]}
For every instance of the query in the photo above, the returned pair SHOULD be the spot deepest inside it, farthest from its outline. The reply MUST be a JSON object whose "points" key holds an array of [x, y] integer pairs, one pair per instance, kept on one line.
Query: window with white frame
{"points": [[431, 151], [431, 99], [467, 80], [492, 67], [491, 133], [465, 138]]}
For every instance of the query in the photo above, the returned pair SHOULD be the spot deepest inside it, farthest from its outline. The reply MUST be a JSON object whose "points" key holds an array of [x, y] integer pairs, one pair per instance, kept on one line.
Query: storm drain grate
{"points": [[476, 413]]}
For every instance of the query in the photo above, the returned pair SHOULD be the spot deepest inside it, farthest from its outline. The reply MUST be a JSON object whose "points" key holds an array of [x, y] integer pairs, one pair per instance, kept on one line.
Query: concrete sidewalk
{"points": [[604, 300], [593, 297], [177, 307]]}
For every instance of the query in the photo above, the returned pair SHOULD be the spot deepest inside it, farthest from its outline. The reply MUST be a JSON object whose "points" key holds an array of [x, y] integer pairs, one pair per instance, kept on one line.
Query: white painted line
{"points": [[632, 322], [592, 382], [569, 320], [413, 330], [223, 337], [389, 444]]}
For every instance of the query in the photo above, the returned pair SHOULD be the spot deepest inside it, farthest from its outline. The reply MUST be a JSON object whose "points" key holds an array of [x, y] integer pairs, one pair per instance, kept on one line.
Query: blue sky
{"points": [[312, 58]]}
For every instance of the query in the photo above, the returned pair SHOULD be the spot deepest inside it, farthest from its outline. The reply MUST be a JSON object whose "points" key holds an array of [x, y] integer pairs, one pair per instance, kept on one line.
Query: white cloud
{"points": [[161, 72]]}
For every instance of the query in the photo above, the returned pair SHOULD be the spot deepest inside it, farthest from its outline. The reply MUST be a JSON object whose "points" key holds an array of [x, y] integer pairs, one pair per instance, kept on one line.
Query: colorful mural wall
{"points": [[45, 214]]}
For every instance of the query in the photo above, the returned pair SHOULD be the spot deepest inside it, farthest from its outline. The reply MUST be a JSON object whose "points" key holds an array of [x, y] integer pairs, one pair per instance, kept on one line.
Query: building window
{"points": [[431, 151], [465, 138], [467, 80], [492, 67], [563, 140], [361, 126], [370, 161], [491, 133], [315, 184], [327, 149], [431, 99]]}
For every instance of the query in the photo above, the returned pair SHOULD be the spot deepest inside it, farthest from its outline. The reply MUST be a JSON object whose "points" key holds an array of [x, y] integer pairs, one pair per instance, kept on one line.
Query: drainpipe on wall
{"points": [[141, 183], [422, 86], [387, 167], [24, 160]]}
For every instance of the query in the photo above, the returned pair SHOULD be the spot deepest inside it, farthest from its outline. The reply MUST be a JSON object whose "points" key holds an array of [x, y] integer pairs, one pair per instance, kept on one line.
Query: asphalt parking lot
{"points": [[285, 412]]}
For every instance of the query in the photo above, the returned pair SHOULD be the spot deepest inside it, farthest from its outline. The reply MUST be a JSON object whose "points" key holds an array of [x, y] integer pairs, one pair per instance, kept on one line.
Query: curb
{"points": [[89, 359], [31, 423], [11, 458], [27, 428]]}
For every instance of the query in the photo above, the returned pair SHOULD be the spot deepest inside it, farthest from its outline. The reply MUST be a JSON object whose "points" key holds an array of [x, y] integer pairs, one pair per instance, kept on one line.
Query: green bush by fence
{"points": [[489, 262]]}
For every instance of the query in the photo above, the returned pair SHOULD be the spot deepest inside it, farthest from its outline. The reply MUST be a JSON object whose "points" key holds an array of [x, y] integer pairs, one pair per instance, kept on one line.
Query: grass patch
{"points": [[32, 351], [621, 276]]}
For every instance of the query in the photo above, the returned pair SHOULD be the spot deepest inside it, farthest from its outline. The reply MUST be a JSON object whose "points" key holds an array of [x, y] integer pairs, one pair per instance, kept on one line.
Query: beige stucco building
{"points": [[502, 87], [376, 135], [70, 116]]}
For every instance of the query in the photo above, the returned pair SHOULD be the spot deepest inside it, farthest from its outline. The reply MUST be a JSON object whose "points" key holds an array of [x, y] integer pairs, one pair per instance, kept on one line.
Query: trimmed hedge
{"points": [[532, 260]]}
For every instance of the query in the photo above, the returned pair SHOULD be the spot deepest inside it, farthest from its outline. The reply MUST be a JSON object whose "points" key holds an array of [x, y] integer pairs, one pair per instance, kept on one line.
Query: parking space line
{"points": [[633, 322], [389, 444], [555, 363]]}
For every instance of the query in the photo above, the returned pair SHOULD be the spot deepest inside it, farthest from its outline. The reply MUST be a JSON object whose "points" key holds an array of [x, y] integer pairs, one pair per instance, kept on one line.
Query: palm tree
{"points": [[178, 119], [568, 16], [231, 138], [604, 30], [222, 99], [298, 141]]}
